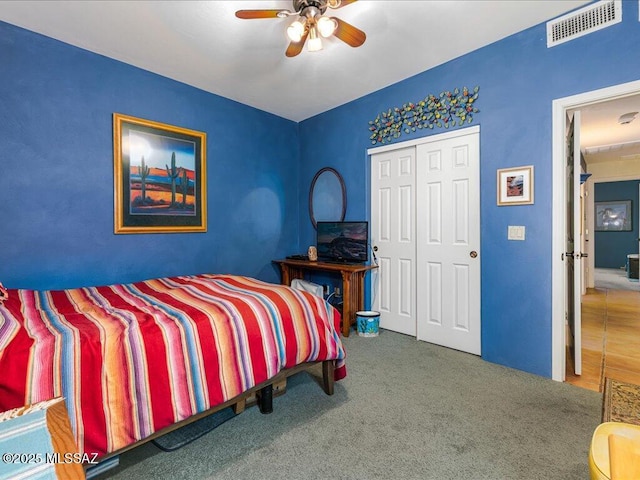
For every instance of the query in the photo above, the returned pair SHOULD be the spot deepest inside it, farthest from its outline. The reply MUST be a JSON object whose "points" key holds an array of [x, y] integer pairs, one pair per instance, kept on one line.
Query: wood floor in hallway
{"points": [[610, 338]]}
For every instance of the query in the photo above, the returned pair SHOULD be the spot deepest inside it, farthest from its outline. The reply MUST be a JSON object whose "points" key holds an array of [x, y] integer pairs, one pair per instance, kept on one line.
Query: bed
{"points": [[132, 360]]}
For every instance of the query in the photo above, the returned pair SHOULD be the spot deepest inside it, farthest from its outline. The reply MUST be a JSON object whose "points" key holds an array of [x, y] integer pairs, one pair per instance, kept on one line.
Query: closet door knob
{"points": [[473, 254]]}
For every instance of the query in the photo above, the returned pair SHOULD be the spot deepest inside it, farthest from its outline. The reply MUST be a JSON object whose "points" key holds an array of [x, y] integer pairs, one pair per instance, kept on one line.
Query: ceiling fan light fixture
{"points": [[311, 25], [315, 42], [295, 31], [326, 26]]}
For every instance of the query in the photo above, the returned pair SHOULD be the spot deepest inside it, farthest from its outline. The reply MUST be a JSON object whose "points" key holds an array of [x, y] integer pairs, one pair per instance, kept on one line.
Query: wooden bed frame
{"points": [[261, 395]]}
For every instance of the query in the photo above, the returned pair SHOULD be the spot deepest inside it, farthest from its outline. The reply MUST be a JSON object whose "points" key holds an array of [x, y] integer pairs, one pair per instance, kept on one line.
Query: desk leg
{"points": [[289, 273], [349, 302], [286, 280], [359, 287], [353, 300]]}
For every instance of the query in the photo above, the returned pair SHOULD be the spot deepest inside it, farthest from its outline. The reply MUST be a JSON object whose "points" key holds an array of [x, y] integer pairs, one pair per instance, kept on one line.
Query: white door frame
{"points": [[428, 139], [558, 284]]}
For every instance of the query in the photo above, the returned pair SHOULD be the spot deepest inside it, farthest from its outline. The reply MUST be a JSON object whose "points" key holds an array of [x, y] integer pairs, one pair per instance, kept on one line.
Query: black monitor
{"points": [[345, 242]]}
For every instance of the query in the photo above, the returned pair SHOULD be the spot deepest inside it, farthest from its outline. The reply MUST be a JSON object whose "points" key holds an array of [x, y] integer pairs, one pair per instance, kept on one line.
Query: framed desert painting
{"points": [[515, 186], [159, 177]]}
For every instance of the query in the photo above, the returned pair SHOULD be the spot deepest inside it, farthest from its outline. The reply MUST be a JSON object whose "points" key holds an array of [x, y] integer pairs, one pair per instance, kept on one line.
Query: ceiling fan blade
{"points": [[251, 14], [296, 47], [349, 34], [343, 3]]}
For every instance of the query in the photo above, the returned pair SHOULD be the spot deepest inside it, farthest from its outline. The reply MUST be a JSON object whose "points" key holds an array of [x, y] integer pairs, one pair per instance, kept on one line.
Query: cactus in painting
{"points": [[173, 174], [144, 173], [184, 183]]}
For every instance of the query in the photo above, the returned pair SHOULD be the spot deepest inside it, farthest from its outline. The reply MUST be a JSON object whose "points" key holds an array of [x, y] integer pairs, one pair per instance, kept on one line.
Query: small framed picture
{"points": [[515, 186], [613, 216]]}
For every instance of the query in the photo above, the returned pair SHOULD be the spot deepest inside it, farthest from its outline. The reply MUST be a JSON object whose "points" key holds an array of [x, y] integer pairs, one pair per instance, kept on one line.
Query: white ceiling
{"points": [[602, 138], [203, 44]]}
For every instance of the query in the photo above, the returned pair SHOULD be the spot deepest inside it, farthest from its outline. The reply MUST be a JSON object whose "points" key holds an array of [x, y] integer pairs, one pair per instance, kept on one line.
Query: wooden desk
{"points": [[352, 283]]}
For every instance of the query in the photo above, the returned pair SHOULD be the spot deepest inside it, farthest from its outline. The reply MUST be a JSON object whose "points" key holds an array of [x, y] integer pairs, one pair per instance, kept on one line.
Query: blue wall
{"points": [[612, 248], [56, 180], [56, 172], [518, 79]]}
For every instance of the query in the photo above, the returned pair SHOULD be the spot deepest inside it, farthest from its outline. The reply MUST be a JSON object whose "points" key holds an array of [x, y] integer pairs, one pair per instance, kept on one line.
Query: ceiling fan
{"points": [[312, 24]]}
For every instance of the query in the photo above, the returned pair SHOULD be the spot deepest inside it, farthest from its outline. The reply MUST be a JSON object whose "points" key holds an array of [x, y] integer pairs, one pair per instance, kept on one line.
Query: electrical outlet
{"points": [[336, 291]]}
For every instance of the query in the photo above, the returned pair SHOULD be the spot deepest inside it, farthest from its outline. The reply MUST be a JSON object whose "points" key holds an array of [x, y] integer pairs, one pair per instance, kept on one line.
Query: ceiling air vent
{"points": [[593, 17]]}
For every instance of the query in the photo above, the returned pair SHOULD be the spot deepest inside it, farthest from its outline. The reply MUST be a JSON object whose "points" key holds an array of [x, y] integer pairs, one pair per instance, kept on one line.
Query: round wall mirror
{"points": [[327, 197]]}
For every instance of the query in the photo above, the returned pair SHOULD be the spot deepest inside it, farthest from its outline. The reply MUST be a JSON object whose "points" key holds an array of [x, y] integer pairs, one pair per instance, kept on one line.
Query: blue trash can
{"points": [[368, 323]]}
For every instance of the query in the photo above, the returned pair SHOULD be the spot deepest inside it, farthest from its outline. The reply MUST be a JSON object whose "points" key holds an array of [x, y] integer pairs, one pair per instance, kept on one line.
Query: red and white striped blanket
{"points": [[132, 359]]}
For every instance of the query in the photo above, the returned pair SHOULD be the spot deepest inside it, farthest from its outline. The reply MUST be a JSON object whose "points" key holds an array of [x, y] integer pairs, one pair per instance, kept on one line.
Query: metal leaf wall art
{"points": [[446, 110]]}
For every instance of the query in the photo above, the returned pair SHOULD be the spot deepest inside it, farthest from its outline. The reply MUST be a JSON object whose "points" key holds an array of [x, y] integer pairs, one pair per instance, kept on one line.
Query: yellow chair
{"points": [[615, 452]]}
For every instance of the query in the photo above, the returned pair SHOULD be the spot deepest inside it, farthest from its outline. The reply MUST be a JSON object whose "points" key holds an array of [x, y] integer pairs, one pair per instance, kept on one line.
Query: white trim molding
{"points": [[429, 138], [558, 283]]}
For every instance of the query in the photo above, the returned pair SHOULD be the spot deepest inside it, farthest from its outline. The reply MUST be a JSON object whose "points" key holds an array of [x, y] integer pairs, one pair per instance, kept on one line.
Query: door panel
{"points": [[573, 255], [393, 233], [434, 294], [448, 222], [461, 300]]}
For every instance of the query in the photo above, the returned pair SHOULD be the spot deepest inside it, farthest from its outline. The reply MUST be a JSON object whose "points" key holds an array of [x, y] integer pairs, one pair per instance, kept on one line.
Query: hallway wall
{"points": [[612, 247]]}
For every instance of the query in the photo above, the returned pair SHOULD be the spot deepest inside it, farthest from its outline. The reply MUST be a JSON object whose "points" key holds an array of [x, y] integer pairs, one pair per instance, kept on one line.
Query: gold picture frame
{"points": [[515, 186], [160, 177]]}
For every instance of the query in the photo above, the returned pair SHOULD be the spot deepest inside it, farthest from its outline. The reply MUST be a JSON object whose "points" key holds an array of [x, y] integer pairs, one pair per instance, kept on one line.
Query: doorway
{"points": [[610, 305], [561, 107]]}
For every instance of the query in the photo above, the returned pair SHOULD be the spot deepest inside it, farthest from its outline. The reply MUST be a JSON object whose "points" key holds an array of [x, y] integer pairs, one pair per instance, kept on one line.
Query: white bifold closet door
{"points": [[425, 222], [393, 179], [448, 247]]}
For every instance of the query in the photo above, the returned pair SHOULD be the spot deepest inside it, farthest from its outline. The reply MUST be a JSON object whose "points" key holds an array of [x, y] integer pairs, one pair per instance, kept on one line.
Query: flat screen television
{"points": [[345, 242]]}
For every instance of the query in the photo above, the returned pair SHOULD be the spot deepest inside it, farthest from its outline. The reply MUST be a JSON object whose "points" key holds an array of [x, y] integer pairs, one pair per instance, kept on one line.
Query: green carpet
{"points": [[407, 410]]}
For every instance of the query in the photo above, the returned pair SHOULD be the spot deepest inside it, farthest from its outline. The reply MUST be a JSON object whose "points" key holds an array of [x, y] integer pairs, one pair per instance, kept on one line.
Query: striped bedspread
{"points": [[132, 359]]}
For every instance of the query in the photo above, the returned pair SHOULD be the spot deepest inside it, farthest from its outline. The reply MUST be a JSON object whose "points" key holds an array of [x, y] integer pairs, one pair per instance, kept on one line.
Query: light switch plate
{"points": [[516, 232]]}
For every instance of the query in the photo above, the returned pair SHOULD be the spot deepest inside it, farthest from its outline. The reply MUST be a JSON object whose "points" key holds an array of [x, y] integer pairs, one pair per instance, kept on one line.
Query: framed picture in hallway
{"points": [[515, 186], [613, 216], [160, 179]]}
